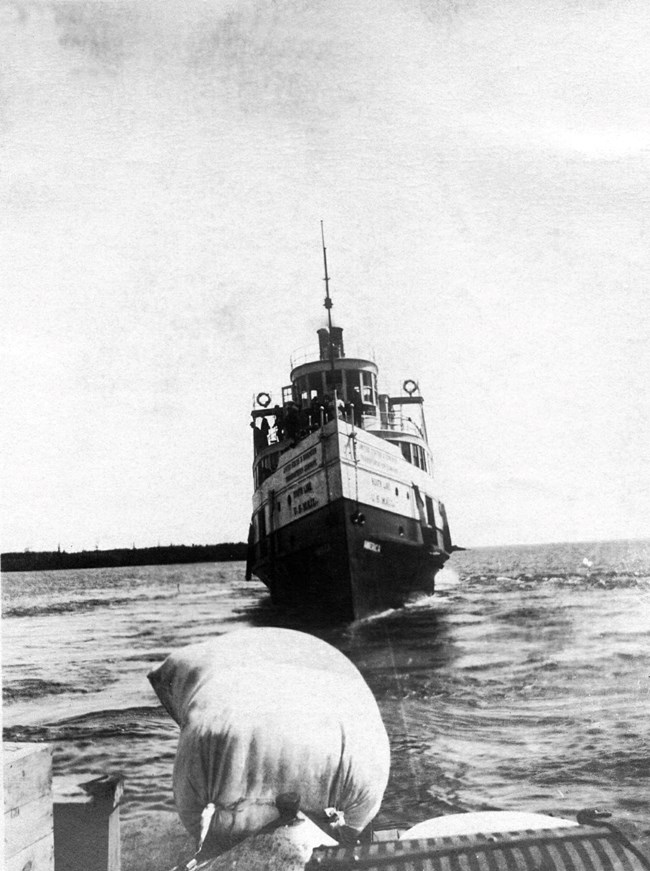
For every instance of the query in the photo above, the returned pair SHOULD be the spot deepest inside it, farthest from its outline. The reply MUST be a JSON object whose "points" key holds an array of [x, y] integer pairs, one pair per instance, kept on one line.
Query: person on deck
{"points": [[357, 405], [330, 407], [292, 421], [279, 422], [258, 439], [316, 413]]}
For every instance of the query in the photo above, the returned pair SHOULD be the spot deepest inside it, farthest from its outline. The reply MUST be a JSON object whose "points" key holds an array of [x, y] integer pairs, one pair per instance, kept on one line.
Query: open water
{"points": [[523, 684]]}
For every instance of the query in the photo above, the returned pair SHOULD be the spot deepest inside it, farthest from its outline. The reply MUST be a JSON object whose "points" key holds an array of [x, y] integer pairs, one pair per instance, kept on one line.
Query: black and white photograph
{"points": [[325, 477]]}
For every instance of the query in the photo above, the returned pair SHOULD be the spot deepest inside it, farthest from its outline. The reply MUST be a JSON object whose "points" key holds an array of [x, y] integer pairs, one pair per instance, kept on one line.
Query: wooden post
{"points": [[27, 782], [87, 824]]}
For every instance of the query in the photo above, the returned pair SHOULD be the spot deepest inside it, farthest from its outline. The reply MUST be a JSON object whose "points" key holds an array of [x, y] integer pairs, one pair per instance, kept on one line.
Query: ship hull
{"points": [[342, 566], [344, 526]]}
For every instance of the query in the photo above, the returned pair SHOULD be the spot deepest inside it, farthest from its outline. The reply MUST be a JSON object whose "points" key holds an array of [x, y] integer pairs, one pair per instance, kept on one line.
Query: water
{"points": [[523, 684]]}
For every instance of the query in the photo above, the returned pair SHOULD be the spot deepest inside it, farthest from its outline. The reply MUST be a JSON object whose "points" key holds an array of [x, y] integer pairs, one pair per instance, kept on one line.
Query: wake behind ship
{"points": [[345, 518]]}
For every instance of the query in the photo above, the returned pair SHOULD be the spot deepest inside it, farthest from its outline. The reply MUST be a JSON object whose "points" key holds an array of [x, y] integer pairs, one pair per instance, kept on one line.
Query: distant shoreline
{"points": [[41, 561]]}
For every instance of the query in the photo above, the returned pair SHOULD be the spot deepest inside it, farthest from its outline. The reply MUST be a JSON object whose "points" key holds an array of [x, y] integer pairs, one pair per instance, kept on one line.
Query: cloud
{"points": [[166, 165], [601, 143]]}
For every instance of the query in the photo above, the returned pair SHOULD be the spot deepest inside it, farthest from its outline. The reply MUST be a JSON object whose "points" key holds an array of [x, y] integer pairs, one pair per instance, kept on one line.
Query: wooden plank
{"points": [[27, 770], [37, 857], [114, 842], [87, 824], [27, 824], [385, 835], [66, 789], [107, 788]]}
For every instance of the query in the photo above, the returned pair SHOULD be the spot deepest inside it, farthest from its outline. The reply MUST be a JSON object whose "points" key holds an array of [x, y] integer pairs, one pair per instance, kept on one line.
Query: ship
{"points": [[346, 522]]}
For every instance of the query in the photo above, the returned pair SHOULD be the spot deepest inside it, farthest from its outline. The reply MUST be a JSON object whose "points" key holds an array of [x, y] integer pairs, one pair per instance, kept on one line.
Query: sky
{"points": [[482, 170]]}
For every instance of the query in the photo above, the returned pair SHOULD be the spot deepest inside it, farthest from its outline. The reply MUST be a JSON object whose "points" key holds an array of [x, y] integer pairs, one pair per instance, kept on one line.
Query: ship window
{"points": [[334, 380], [396, 491], [431, 518], [418, 456], [368, 387], [413, 453], [314, 383], [302, 388]]}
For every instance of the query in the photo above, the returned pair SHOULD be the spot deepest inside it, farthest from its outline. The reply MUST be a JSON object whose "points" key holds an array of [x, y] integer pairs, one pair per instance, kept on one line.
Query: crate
{"points": [[28, 822]]}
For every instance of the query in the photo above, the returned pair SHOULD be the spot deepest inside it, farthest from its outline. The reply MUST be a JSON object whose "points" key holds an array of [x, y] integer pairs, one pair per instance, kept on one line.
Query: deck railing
{"points": [[311, 354], [394, 421]]}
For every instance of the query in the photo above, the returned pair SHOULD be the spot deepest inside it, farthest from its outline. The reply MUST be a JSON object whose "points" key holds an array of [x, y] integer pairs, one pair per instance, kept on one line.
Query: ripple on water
{"points": [[524, 684]]}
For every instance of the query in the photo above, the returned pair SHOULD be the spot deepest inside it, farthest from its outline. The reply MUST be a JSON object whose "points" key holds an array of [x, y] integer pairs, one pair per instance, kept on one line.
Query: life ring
{"points": [[410, 386], [263, 399]]}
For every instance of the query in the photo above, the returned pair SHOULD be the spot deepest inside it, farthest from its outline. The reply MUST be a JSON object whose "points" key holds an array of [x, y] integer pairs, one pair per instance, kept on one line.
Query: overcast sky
{"points": [[483, 171]]}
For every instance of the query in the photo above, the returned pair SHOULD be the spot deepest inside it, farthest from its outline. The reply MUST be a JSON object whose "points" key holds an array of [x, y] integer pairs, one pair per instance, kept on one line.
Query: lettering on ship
{"points": [[302, 464], [376, 459], [378, 499], [383, 497], [307, 504]]}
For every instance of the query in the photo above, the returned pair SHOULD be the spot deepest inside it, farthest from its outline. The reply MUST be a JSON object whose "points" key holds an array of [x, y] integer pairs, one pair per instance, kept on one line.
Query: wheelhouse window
{"points": [[266, 466], [334, 380], [418, 456], [308, 386], [412, 453], [315, 384], [301, 388], [368, 388]]}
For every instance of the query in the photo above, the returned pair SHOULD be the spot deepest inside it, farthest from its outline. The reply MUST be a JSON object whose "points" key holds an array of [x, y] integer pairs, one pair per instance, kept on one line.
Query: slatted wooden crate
{"points": [[27, 788]]}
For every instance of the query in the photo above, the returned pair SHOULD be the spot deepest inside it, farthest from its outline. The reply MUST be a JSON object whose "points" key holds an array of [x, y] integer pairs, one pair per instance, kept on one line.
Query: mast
{"points": [[328, 305]]}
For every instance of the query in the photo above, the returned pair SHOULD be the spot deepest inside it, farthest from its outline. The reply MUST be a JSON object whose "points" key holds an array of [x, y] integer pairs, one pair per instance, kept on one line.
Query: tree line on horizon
{"points": [[29, 561]]}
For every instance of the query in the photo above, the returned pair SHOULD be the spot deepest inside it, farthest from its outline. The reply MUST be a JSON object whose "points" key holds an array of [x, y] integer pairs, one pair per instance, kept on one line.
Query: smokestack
{"points": [[324, 343], [337, 342]]}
